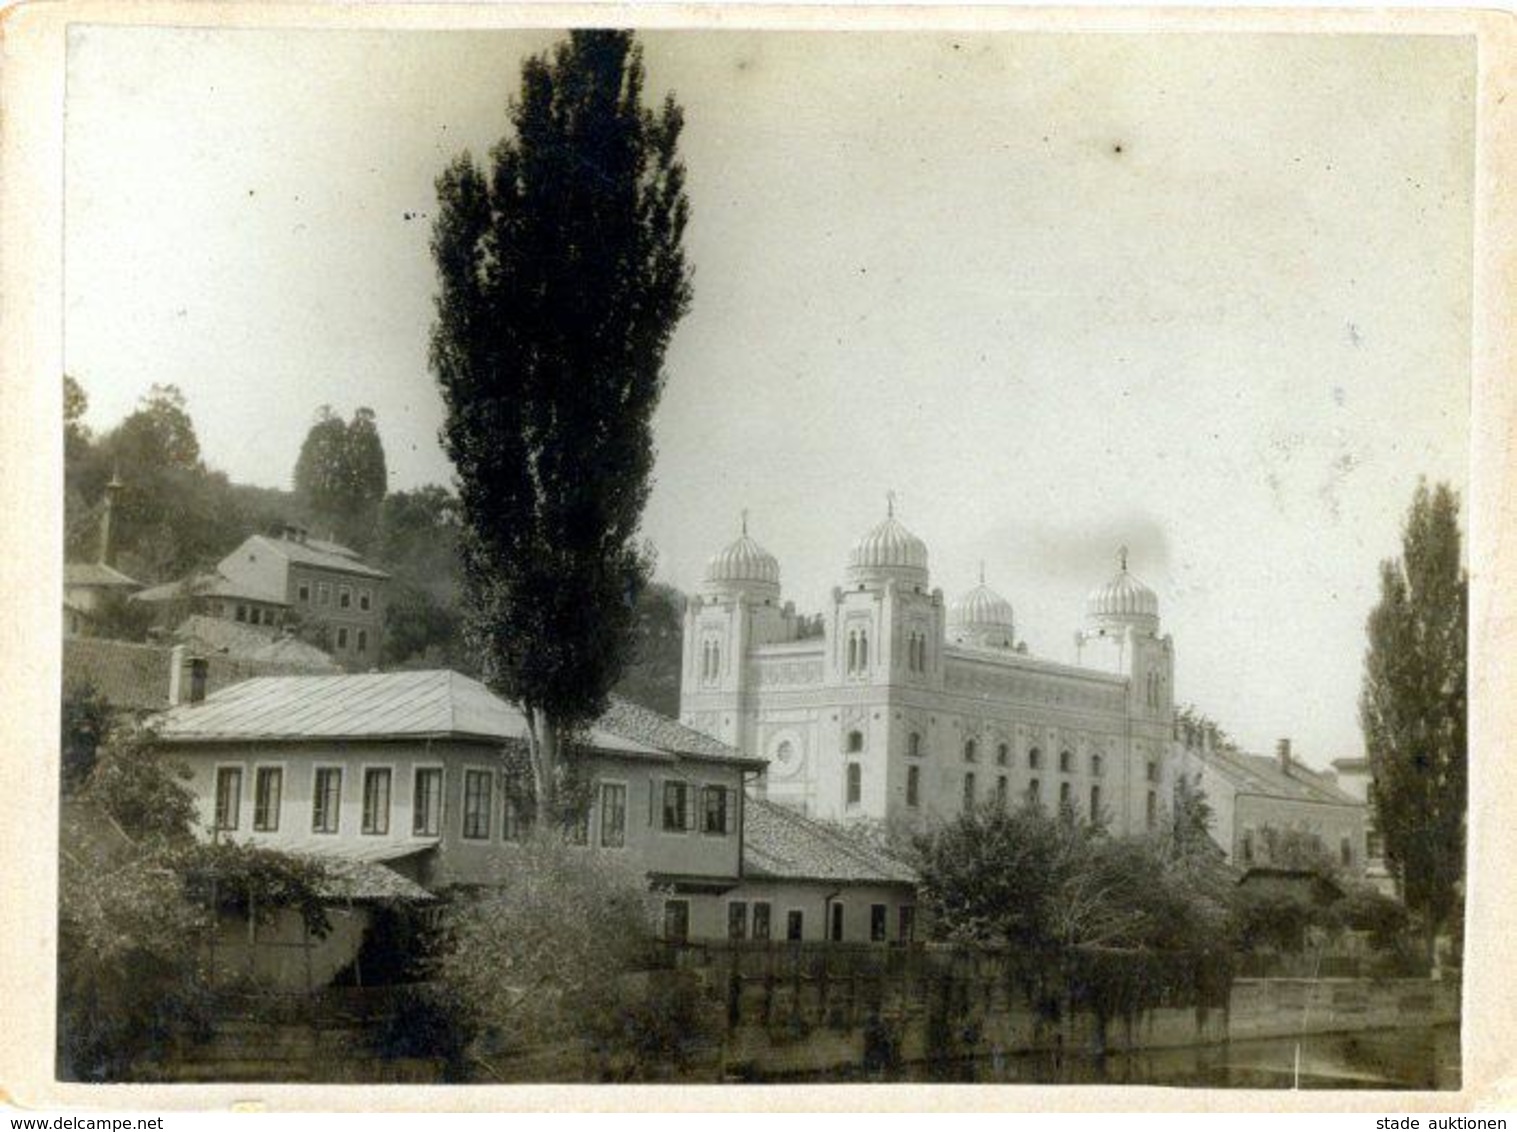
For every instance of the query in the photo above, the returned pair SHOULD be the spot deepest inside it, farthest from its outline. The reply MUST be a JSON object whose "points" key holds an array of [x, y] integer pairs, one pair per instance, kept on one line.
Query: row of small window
{"points": [[254, 615], [344, 595], [711, 661], [755, 921], [858, 651], [916, 652], [716, 815], [1249, 852]]}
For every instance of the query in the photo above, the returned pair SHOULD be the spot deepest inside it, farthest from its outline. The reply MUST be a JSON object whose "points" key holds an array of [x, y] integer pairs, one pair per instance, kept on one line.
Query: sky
{"points": [[1205, 296]]}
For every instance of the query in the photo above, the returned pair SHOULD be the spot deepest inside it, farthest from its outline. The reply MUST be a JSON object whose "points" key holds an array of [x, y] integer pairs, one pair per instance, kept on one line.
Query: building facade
{"points": [[908, 708]]}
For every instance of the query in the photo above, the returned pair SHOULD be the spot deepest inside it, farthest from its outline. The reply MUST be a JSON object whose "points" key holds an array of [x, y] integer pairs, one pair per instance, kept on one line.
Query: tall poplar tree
{"points": [[561, 281], [1413, 710]]}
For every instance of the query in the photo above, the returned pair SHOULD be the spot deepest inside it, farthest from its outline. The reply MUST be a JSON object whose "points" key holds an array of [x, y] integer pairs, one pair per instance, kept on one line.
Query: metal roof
{"points": [[312, 552], [391, 705], [781, 844], [1261, 774]]}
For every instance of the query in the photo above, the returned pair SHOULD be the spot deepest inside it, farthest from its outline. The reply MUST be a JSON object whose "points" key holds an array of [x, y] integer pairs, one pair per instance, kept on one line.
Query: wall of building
{"points": [[709, 913], [355, 635], [277, 952]]}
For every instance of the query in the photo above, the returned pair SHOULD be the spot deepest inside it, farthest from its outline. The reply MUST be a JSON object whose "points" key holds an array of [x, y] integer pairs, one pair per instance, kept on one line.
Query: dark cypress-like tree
{"points": [[340, 476], [561, 281], [1413, 710]]}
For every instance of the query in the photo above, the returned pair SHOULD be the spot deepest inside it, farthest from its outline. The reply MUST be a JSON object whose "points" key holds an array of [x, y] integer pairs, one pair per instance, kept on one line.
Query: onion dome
{"points": [[1123, 601], [743, 565], [889, 551], [982, 617]]}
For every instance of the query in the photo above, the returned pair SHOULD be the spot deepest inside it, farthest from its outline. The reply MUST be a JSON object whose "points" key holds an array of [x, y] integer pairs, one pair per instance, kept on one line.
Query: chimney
{"points": [[107, 540], [1283, 753], [187, 677]]}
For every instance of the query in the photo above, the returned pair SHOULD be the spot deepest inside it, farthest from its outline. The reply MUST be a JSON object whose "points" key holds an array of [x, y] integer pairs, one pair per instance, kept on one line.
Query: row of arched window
{"points": [[1003, 754], [858, 651], [1156, 689], [916, 652], [711, 662]]}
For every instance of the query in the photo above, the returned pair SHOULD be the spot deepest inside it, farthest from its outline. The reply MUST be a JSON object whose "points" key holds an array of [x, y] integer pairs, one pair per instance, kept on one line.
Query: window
{"points": [[906, 924], [1035, 792], [855, 784], [323, 593], [1034, 759], [1153, 771], [326, 800], [228, 797], [855, 742], [737, 920], [477, 804], [1001, 791], [913, 786], [1066, 793], [794, 920], [969, 791], [305, 591], [342, 637], [268, 786], [1095, 765], [677, 920], [613, 815], [836, 932], [512, 817], [1003, 755], [1095, 803], [969, 750], [363, 640], [1066, 762], [877, 921], [853, 652], [242, 613], [1346, 852], [914, 745], [376, 800], [1151, 810], [761, 919], [676, 806], [863, 652], [344, 597], [1247, 846], [426, 802], [364, 599], [714, 809]]}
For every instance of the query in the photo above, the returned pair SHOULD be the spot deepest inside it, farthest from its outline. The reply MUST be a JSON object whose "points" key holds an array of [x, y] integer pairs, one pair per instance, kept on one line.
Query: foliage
{"points": [[537, 959], [139, 788], [1413, 709], [559, 292], [86, 722], [417, 542], [340, 475], [652, 678], [1193, 723], [657, 1025], [236, 877]]}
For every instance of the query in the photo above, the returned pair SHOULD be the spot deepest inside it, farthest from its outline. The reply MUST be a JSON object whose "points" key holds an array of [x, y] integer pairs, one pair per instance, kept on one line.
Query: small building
{"points": [[1262, 804], [90, 587], [276, 580], [1354, 779], [215, 636]]}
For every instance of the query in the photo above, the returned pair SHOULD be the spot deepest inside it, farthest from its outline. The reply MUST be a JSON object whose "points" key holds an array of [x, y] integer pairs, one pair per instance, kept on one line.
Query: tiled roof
{"points": [[378, 705], [315, 552], [96, 574], [218, 635], [1261, 774], [644, 725], [781, 844], [212, 585], [369, 880]]}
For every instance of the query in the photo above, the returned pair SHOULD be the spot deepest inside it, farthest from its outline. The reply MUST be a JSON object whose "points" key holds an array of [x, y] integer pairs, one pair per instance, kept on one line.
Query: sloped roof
{"points": [[783, 845], [644, 725], [213, 585], [96, 574], [1261, 774], [314, 552], [376, 705], [250, 642]]}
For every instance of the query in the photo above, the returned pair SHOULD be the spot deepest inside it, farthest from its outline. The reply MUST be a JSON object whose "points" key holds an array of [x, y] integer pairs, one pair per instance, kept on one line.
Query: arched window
{"points": [[1003, 755], [1034, 759], [853, 652], [969, 750], [855, 784], [1095, 765], [914, 745], [863, 652], [1066, 762], [855, 741], [1095, 803]]}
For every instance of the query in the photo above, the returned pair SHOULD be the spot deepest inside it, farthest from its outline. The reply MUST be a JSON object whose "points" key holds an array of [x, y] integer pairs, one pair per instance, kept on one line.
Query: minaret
{"points": [[107, 542]]}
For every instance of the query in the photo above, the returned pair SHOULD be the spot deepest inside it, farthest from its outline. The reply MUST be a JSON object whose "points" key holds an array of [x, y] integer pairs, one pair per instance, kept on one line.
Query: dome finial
{"points": [[890, 504], [745, 522], [1122, 558], [982, 571]]}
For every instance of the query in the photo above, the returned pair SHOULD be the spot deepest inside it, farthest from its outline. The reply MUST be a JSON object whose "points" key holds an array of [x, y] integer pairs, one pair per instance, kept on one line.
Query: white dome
{"points": [[743, 564], [982, 616], [889, 551], [1123, 600]]}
